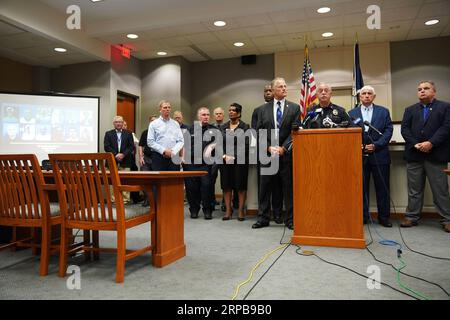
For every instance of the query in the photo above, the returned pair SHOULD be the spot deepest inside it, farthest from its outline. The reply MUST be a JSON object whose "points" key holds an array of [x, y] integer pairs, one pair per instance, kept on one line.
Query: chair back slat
{"points": [[87, 186], [21, 182]]}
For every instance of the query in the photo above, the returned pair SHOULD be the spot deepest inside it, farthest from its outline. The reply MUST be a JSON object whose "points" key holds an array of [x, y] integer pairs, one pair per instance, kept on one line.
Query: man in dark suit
{"points": [[376, 159], [277, 192], [426, 130], [276, 118], [120, 143]]}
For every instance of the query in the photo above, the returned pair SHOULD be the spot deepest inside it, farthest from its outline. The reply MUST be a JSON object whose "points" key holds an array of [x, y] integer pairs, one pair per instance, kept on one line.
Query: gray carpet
{"points": [[221, 254]]}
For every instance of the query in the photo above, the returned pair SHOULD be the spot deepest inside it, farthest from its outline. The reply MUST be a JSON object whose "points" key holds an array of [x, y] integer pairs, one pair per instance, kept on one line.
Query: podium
{"points": [[327, 186]]}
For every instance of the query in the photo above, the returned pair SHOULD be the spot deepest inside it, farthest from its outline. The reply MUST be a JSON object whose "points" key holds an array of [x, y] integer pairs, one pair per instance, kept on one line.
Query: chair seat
{"points": [[131, 211]]}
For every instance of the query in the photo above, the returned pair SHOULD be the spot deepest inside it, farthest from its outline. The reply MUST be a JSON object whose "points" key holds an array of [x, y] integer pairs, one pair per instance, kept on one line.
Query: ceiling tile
{"points": [[360, 5], [288, 16], [202, 38], [253, 20], [431, 9], [268, 41], [420, 23], [227, 35], [329, 43], [291, 27], [260, 31], [419, 34], [24, 40], [317, 35], [175, 42], [191, 29], [397, 26], [400, 13], [356, 19], [391, 37], [331, 22]]}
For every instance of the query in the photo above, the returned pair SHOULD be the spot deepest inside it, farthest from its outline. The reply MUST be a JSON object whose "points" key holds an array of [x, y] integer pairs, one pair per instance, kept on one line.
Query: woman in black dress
{"points": [[234, 170]]}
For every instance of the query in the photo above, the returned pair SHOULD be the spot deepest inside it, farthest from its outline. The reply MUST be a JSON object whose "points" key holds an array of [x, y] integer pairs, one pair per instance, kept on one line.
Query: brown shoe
{"points": [[447, 227], [406, 223]]}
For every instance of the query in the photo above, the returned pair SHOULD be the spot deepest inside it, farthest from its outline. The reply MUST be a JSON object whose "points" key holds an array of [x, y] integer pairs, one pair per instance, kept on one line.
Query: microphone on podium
{"points": [[367, 123]]}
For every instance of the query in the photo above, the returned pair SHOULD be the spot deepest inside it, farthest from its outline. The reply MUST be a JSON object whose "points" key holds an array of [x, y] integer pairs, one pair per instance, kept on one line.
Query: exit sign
{"points": [[126, 52]]}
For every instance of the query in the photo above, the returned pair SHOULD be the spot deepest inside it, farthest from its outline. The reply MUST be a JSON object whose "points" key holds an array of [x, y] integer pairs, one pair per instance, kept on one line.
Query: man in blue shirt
{"points": [[166, 140]]}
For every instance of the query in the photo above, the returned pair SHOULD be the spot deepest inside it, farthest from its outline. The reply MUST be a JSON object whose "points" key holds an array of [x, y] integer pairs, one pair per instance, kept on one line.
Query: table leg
{"points": [[169, 237]]}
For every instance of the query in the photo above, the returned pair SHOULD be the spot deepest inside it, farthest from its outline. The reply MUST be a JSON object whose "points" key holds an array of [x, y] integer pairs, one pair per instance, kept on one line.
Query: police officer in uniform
{"points": [[199, 189], [326, 114]]}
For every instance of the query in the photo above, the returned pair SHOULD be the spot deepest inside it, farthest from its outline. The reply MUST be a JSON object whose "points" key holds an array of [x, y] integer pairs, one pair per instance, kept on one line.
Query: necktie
{"points": [[119, 139], [426, 112], [279, 114]]}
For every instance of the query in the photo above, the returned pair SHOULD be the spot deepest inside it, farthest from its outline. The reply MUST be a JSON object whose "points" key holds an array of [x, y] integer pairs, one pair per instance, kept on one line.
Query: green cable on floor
{"points": [[418, 294]]}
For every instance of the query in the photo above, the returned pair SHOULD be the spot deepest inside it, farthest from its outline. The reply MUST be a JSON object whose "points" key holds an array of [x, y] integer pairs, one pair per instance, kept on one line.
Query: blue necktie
{"points": [[426, 112], [279, 114]]}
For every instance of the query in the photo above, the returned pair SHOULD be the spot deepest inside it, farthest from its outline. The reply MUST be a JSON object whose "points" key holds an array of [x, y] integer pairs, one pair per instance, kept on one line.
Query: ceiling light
{"points": [[161, 53], [327, 34], [60, 50], [132, 36], [96, 0], [323, 10], [431, 22], [238, 44], [220, 23]]}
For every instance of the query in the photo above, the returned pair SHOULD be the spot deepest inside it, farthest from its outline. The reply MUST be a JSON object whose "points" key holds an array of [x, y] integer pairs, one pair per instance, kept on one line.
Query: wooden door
{"points": [[126, 107]]}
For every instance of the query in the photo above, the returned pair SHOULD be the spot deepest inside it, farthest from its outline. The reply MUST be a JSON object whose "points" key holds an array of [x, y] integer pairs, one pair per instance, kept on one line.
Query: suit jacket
{"points": [[381, 120], [435, 129], [256, 114], [126, 146], [291, 113]]}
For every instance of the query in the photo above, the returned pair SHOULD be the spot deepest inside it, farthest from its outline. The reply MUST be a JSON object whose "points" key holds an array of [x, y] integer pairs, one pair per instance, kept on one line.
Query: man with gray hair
{"points": [[326, 113], [426, 130], [120, 143], [376, 160]]}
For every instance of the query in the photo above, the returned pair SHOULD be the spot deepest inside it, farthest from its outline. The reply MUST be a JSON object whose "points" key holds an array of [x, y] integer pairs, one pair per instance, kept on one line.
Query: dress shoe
{"points": [[225, 218], [406, 223], [208, 215], [194, 215], [447, 227], [241, 218], [278, 220], [259, 225], [385, 223], [145, 203], [290, 225]]}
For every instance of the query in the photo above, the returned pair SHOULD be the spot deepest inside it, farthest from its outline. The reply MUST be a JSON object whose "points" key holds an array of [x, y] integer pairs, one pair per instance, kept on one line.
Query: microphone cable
{"points": [[404, 273], [355, 272], [395, 212]]}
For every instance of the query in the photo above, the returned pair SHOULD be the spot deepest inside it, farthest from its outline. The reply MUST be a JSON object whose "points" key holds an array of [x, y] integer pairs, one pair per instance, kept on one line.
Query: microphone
{"points": [[310, 115], [367, 123], [328, 123]]}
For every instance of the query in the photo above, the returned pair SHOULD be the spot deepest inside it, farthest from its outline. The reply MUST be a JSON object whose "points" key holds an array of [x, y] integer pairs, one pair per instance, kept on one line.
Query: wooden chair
{"points": [[83, 182], [24, 203]]}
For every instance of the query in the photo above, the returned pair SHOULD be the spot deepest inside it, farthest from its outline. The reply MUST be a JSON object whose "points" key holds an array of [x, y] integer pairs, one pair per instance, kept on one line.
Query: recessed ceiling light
{"points": [[60, 50], [327, 34], [323, 10], [220, 23], [238, 44], [431, 22], [161, 53], [132, 36], [96, 0]]}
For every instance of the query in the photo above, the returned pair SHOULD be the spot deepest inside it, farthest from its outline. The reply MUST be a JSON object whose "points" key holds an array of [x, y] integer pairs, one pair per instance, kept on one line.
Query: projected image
{"points": [[43, 124]]}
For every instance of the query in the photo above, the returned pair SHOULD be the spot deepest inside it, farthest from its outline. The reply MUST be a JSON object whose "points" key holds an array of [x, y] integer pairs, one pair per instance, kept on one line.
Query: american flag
{"points": [[308, 95]]}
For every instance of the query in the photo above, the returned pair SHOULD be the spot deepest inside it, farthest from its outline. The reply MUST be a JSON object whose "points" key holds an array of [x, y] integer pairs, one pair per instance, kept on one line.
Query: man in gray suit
{"points": [[277, 117]]}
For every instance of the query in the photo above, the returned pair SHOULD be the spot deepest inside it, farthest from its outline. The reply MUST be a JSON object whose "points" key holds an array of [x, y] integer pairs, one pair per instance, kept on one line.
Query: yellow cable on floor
{"points": [[256, 267]]}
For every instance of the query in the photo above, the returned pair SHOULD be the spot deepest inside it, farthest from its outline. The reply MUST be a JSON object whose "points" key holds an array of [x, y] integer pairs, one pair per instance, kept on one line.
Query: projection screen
{"points": [[43, 124]]}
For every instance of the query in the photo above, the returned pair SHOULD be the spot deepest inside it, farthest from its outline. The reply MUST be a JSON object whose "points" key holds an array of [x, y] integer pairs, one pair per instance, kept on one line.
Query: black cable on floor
{"points": [[356, 272], [270, 267], [418, 252], [404, 273]]}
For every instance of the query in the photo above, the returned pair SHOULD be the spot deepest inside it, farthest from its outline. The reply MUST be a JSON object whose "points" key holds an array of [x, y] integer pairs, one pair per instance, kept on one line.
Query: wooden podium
{"points": [[327, 182]]}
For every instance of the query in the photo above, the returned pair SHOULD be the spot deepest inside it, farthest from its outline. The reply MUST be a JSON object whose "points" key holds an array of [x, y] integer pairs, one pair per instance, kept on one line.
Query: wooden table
{"points": [[168, 240]]}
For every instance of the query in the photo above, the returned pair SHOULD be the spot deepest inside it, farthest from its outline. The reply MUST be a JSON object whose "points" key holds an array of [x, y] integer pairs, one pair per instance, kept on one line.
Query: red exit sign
{"points": [[126, 52]]}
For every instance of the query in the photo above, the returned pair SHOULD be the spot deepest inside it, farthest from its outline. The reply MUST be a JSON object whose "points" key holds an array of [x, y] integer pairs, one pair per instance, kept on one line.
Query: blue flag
{"points": [[358, 81]]}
